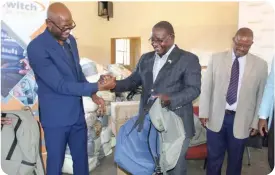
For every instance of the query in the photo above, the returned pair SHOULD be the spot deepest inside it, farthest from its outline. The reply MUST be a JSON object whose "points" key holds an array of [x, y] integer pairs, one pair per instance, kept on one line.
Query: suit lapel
{"points": [[75, 56], [57, 48], [172, 59], [150, 65], [228, 65], [248, 67]]}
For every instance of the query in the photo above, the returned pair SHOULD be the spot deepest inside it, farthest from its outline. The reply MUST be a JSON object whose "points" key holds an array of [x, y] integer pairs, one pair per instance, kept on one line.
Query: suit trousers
{"points": [[271, 145], [218, 143], [181, 166], [57, 138]]}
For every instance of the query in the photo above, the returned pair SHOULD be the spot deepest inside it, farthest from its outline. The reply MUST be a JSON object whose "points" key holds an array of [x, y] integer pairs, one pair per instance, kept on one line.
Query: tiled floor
{"points": [[259, 165]]}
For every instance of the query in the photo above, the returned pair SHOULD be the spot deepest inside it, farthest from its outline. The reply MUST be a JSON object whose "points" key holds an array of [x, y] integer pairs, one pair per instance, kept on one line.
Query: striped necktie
{"points": [[232, 91]]}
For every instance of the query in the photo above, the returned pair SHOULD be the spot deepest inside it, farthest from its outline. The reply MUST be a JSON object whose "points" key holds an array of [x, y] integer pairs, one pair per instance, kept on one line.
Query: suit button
{"points": [[152, 90]]}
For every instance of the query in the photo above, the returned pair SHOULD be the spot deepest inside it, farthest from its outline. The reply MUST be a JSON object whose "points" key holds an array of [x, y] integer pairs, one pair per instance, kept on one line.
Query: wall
{"points": [[259, 16], [203, 26]]}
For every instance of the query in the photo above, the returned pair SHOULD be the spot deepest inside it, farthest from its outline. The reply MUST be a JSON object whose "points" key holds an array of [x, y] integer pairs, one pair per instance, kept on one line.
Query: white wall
{"points": [[259, 16]]}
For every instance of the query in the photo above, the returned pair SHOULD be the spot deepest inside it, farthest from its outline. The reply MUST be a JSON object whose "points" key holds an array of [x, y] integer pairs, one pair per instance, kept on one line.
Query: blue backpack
{"points": [[136, 151]]}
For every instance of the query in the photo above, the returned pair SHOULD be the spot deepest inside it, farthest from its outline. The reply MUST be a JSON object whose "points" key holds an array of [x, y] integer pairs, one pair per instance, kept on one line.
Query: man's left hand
{"points": [[6, 121], [100, 102], [26, 66], [253, 132], [165, 100]]}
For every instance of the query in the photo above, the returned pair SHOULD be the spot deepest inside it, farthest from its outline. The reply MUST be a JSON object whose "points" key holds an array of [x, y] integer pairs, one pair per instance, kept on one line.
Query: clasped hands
{"points": [[106, 82]]}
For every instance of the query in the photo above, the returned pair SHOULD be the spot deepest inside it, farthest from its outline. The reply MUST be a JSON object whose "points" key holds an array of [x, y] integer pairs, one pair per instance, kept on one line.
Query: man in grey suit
{"points": [[172, 74], [231, 94]]}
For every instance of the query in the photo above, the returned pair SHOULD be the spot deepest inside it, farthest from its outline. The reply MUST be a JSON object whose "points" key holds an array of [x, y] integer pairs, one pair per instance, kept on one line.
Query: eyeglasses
{"points": [[64, 29], [244, 46], [159, 41]]}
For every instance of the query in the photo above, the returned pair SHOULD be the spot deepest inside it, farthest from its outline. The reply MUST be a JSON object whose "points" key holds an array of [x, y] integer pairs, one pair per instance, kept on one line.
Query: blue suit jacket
{"points": [[60, 89], [267, 105]]}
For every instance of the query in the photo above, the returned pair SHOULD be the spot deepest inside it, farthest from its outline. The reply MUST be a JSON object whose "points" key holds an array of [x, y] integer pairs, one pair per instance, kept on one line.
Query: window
{"points": [[122, 51], [125, 51]]}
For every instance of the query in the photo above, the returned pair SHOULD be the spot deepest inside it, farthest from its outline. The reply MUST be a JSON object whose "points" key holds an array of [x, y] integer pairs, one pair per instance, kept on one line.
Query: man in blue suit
{"points": [[54, 58], [267, 112]]}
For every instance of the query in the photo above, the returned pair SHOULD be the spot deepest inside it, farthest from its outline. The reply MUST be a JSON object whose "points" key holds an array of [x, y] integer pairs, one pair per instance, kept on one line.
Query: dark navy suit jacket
{"points": [[179, 78]]}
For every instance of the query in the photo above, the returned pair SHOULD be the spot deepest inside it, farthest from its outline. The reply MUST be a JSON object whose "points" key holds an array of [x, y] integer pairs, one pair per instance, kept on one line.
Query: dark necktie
{"points": [[232, 91]]}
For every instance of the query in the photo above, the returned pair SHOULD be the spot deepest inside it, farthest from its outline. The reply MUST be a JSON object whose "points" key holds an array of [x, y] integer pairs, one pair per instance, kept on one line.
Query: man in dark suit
{"points": [[172, 74], [54, 58]]}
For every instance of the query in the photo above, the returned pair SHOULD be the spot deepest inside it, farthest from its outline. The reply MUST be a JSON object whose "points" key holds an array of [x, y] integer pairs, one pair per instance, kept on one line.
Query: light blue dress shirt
{"points": [[267, 105]]}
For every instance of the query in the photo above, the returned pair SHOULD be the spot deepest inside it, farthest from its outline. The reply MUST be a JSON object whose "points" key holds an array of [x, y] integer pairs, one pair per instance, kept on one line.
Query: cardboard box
{"points": [[121, 112], [121, 172]]}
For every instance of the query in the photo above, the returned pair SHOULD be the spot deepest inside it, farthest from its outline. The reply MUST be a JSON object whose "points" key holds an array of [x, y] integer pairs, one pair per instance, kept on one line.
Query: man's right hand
{"points": [[5, 121], [106, 82], [203, 121], [262, 125], [100, 102]]}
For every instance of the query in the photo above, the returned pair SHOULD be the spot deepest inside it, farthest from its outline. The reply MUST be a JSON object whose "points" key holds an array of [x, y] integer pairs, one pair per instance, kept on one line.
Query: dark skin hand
{"points": [[106, 84], [100, 102], [6, 121], [107, 80], [203, 121], [253, 132], [262, 125], [165, 100]]}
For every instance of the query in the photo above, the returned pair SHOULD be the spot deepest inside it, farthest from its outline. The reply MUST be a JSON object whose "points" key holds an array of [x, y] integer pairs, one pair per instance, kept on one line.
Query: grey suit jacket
{"points": [[214, 89], [179, 78]]}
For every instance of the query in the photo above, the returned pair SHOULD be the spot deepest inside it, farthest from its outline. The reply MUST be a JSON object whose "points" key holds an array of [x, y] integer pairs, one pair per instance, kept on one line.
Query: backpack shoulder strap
{"points": [[14, 143]]}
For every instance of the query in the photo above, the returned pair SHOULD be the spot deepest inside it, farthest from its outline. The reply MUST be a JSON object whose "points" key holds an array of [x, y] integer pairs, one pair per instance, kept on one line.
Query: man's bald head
{"points": [[242, 41], [58, 10], [59, 21], [245, 32]]}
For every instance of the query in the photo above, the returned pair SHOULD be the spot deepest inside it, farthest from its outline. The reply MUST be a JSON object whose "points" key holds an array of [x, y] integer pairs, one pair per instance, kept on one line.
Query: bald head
{"points": [[245, 32], [58, 10], [242, 41], [59, 21]]}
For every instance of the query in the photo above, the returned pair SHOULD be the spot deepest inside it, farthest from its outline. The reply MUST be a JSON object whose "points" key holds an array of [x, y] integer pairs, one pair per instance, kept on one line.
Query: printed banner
{"points": [[22, 21]]}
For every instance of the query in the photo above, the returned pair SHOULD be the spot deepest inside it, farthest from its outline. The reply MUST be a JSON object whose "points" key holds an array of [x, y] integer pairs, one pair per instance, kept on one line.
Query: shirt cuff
{"points": [[263, 117]]}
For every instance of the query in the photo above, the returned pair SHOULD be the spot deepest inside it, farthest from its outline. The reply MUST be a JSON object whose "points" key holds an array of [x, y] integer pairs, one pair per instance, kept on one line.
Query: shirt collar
{"points": [[234, 56]]}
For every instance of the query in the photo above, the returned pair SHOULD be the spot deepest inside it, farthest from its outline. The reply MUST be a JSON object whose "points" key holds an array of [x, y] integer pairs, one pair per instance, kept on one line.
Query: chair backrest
{"points": [[197, 152]]}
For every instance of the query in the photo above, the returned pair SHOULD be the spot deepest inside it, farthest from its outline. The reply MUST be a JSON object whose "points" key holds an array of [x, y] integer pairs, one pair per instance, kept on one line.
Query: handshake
{"points": [[106, 82]]}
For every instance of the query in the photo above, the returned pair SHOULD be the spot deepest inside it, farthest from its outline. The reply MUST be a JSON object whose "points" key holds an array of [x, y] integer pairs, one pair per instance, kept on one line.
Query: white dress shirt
{"points": [[242, 61], [159, 62]]}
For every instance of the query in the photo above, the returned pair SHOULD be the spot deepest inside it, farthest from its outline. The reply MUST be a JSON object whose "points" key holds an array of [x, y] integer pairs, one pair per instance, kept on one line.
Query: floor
{"points": [[259, 165]]}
